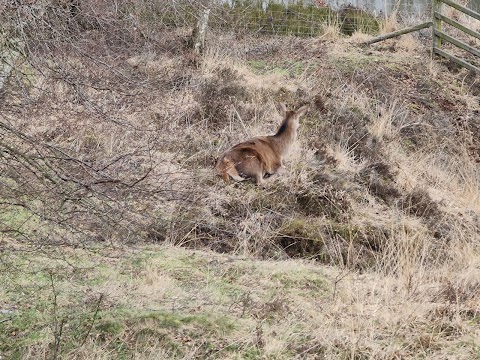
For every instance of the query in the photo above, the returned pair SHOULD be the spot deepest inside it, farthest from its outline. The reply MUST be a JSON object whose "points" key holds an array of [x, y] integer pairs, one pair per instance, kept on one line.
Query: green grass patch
{"points": [[356, 61], [17, 219], [88, 302], [120, 331], [291, 69]]}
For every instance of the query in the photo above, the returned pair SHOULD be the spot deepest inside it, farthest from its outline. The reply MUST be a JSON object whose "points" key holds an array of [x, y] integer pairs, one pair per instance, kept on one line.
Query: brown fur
{"points": [[261, 158]]}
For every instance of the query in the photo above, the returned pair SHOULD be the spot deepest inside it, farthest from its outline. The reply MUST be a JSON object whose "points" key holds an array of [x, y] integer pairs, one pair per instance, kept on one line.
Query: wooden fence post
{"points": [[198, 35], [437, 22]]}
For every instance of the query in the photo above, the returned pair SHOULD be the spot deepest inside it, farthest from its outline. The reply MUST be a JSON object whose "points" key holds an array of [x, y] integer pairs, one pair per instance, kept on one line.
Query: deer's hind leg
{"points": [[264, 176], [274, 172], [259, 179], [250, 167]]}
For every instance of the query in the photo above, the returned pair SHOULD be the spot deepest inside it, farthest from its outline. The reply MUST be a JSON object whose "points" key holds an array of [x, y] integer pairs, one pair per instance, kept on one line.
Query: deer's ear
{"points": [[302, 110], [282, 108]]}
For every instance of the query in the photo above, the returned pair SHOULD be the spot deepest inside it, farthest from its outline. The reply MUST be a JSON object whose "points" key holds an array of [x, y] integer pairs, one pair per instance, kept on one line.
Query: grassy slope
{"points": [[141, 301], [168, 302], [381, 201]]}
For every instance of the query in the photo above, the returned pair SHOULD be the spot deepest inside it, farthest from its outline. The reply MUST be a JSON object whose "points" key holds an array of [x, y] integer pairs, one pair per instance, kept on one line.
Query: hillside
{"points": [[118, 241]]}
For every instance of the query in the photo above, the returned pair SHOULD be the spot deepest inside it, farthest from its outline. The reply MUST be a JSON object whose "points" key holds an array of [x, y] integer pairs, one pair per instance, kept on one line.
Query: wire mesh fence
{"points": [[312, 17], [305, 18], [300, 20]]}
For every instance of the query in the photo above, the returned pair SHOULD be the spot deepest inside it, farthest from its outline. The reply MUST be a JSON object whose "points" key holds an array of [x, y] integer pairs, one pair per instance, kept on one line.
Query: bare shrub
{"points": [[381, 181], [419, 203]]}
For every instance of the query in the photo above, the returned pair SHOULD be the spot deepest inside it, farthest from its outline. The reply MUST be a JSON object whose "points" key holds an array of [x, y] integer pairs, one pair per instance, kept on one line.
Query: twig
{"points": [[97, 309], [5, 320], [337, 280]]}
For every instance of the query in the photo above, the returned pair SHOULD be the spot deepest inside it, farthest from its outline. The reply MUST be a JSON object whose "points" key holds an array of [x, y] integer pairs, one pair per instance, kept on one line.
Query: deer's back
{"points": [[260, 148]]}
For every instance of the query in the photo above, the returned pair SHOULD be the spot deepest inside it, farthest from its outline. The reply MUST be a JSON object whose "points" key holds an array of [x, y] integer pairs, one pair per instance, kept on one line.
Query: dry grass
{"points": [[390, 23], [331, 32]]}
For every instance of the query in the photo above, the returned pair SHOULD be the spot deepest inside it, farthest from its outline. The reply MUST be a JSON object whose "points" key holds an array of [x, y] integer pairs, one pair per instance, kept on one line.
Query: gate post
{"points": [[437, 22]]}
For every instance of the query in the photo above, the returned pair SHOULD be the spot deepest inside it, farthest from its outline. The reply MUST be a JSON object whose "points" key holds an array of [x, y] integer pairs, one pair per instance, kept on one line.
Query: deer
{"points": [[261, 158]]}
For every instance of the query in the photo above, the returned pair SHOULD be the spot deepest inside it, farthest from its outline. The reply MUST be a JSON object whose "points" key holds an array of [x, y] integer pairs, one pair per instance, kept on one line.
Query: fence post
{"points": [[264, 5], [437, 22], [198, 35]]}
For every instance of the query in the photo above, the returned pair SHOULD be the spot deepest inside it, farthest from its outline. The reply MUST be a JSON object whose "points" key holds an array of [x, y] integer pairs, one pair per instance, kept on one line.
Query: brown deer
{"points": [[261, 158]]}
